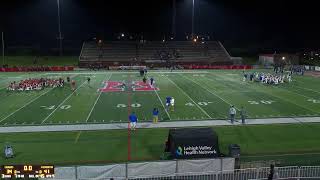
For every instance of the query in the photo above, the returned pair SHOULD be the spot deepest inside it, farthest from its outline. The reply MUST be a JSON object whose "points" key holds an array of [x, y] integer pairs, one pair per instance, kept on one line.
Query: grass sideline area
{"points": [[100, 147], [41, 61]]}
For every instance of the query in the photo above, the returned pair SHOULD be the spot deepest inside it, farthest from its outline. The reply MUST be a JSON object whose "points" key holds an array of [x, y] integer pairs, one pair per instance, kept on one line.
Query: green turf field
{"points": [[290, 144], [199, 95]]}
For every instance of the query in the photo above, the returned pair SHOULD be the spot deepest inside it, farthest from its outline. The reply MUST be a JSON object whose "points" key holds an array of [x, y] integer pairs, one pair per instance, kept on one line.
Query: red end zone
{"points": [[118, 86]]}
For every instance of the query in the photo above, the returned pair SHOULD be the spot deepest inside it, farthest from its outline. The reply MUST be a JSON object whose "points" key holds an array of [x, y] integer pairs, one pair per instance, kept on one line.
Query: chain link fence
{"points": [[206, 169]]}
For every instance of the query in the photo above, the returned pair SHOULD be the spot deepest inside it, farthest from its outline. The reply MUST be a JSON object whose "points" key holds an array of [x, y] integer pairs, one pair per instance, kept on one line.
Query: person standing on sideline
{"points": [[243, 115], [155, 114], [133, 121], [232, 112]]}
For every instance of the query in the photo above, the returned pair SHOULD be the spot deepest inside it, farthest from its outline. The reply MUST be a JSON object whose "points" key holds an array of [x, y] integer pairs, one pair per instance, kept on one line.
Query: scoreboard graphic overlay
{"points": [[27, 171]]}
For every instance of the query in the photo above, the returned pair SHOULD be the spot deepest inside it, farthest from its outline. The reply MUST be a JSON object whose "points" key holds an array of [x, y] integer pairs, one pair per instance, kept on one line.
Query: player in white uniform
{"points": [[172, 104]]}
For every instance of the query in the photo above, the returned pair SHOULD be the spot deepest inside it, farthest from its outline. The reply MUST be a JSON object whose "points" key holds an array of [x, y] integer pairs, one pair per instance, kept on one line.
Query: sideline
{"points": [[149, 125]]}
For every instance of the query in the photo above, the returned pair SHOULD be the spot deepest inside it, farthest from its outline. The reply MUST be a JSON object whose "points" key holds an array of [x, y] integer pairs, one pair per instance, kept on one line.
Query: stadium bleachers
{"points": [[154, 52]]}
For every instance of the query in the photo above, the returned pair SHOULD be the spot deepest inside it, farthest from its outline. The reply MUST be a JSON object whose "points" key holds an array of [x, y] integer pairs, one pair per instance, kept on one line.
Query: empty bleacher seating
{"points": [[131, 52]]}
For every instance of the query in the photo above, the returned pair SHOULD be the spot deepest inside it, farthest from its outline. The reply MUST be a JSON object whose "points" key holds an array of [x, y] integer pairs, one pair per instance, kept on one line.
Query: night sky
{"points": [[238, 22]]}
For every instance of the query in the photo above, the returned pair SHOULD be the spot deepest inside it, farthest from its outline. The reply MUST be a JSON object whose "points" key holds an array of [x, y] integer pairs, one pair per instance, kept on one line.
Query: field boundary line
{"points": [[62, 103], [189, 98], [26, 104], [209, 91], [94, 105], [150, 125], [162, 104]]}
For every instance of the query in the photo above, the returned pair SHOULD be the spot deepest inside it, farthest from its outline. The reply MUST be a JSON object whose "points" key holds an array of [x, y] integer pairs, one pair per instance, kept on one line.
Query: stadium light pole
{"points": [[2, 38], [174, 14], [192, 28], [59, 28]]}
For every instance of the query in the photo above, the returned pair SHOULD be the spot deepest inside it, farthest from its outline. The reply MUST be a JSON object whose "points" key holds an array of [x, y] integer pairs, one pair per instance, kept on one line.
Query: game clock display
{"points": [[27, 171]]}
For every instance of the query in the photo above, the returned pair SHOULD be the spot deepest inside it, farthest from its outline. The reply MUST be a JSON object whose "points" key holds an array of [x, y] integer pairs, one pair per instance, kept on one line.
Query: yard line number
{"points": [[64, 107], [261, 102], [137, 105]]}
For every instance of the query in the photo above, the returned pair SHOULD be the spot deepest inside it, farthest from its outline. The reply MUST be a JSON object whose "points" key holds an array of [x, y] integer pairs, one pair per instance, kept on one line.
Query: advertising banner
{"points": [[193, 143]]}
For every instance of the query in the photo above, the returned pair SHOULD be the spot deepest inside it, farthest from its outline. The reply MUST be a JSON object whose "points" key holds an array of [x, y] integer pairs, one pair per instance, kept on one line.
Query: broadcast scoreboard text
{"points": [[27, 171]]}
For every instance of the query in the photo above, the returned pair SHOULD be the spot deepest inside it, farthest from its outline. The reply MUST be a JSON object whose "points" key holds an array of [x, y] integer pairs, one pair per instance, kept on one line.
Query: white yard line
{"points": [[308, 89], [62, 102], [294, 92], [292, 102], [190, 98], [25, 105], [162, 104], [94, 105], [279, 97], [209, 91]]}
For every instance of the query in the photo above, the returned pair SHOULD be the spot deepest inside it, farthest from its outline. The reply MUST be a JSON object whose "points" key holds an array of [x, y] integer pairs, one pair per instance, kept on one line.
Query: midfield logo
{"points": [[118, 86]]}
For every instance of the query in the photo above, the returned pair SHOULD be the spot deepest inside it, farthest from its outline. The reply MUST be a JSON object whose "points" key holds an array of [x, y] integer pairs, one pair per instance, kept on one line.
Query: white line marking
{"points": [[209, 91], [94, 105], [62, 103], [308, 89], [77, 137], [162, 104], [190, 98], [25, 105]]}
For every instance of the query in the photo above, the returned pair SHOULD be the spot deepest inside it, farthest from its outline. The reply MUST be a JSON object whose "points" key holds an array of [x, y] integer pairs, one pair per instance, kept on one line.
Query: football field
{"points": [[199, 95]]}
